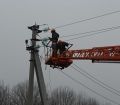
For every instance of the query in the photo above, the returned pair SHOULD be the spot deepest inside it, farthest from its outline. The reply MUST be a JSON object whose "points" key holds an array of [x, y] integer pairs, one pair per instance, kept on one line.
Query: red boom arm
{"points": [[97, 54], [110, 53]]}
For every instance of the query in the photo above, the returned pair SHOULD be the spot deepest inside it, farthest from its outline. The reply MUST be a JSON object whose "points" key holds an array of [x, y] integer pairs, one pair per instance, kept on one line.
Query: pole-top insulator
{"points": [[35, 28]]}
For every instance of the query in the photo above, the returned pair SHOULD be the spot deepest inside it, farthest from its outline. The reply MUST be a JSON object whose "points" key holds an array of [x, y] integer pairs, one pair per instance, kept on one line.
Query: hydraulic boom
{"points": [[96, 54], [110, 53]]}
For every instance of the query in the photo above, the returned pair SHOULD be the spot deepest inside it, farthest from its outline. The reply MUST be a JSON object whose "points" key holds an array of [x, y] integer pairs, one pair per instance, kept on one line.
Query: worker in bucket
{"points": [[62, 46], [54, 40]]}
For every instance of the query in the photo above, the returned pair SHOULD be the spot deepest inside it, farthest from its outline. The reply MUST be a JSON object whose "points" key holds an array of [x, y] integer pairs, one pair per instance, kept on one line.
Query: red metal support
{"points": [[109, 53]]}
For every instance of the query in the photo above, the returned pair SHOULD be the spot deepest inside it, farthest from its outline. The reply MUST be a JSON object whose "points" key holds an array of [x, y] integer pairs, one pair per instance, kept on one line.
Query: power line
{"points": [[80, 83], [95, 80], [49, 75], [50, 82], [103, 29], [94, 33], [88, 19]]}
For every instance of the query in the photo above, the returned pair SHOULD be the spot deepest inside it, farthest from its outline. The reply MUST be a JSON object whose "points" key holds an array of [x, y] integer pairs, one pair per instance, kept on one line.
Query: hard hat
{"points": [[52, 30]]}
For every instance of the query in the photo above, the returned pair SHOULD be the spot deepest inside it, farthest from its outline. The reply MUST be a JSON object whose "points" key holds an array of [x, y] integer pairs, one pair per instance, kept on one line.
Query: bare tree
{"points": [[59, 96], [62, 96], [18, 94], [4, 94], [92, 101], [84, 100], [66, 96]]}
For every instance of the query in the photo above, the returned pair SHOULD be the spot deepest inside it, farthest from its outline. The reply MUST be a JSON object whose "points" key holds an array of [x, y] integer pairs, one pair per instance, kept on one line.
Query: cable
{"points": [[96, 79], [50, 82], [80, 83], [49, 76], [88, 19], [94, 33], [108, 88], [90, 89], [110, 28]]}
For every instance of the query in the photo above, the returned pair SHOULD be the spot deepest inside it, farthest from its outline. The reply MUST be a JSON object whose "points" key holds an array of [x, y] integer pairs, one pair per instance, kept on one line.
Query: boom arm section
{"points": [[109, 53]]}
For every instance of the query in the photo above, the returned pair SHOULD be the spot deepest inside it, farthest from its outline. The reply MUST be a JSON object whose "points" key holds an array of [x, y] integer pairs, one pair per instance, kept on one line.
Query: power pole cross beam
{"points": [[35, 64]]}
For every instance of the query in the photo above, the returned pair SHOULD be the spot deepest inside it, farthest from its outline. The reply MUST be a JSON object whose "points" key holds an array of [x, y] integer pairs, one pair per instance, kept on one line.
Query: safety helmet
{"points": [[52, 30]]}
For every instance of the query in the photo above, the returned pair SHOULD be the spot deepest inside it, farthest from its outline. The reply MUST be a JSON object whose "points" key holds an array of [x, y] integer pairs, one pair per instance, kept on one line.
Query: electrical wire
{"points": [[49, 76], [95, 80], [103, 29], [50, 82], [80, 83], [94, 33], [113, 12], [89, 88]]}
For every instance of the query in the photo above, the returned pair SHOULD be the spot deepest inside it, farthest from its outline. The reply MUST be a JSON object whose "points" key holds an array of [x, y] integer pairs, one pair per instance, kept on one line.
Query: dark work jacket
{"points": [[55, 36], [62, 45]]}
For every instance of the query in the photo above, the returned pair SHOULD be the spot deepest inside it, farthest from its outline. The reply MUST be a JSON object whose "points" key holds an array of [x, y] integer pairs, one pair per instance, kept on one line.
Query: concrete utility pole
{"points": [[35, 64]]}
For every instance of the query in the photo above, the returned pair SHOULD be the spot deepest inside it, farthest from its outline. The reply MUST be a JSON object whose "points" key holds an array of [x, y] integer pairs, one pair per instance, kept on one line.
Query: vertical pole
{"points": [[31, 82], [29, 100], [40, 79], [35, 63]]}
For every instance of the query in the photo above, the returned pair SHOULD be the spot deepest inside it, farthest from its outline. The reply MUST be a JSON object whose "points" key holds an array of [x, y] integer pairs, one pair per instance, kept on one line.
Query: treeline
{"points": [[59, 96]]}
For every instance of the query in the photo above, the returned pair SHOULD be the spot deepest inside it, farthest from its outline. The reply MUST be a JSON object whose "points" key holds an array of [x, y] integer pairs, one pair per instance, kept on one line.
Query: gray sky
{"points": [[16, 15]]}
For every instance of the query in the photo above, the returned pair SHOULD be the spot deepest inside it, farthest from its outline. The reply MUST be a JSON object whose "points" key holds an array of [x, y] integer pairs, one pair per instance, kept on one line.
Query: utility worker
{"points": [[62, 46], [54, 40]]}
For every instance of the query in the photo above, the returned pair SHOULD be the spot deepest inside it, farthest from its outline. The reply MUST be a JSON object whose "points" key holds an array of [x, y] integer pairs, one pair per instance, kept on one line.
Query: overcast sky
{"points": [[16, 15]]}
